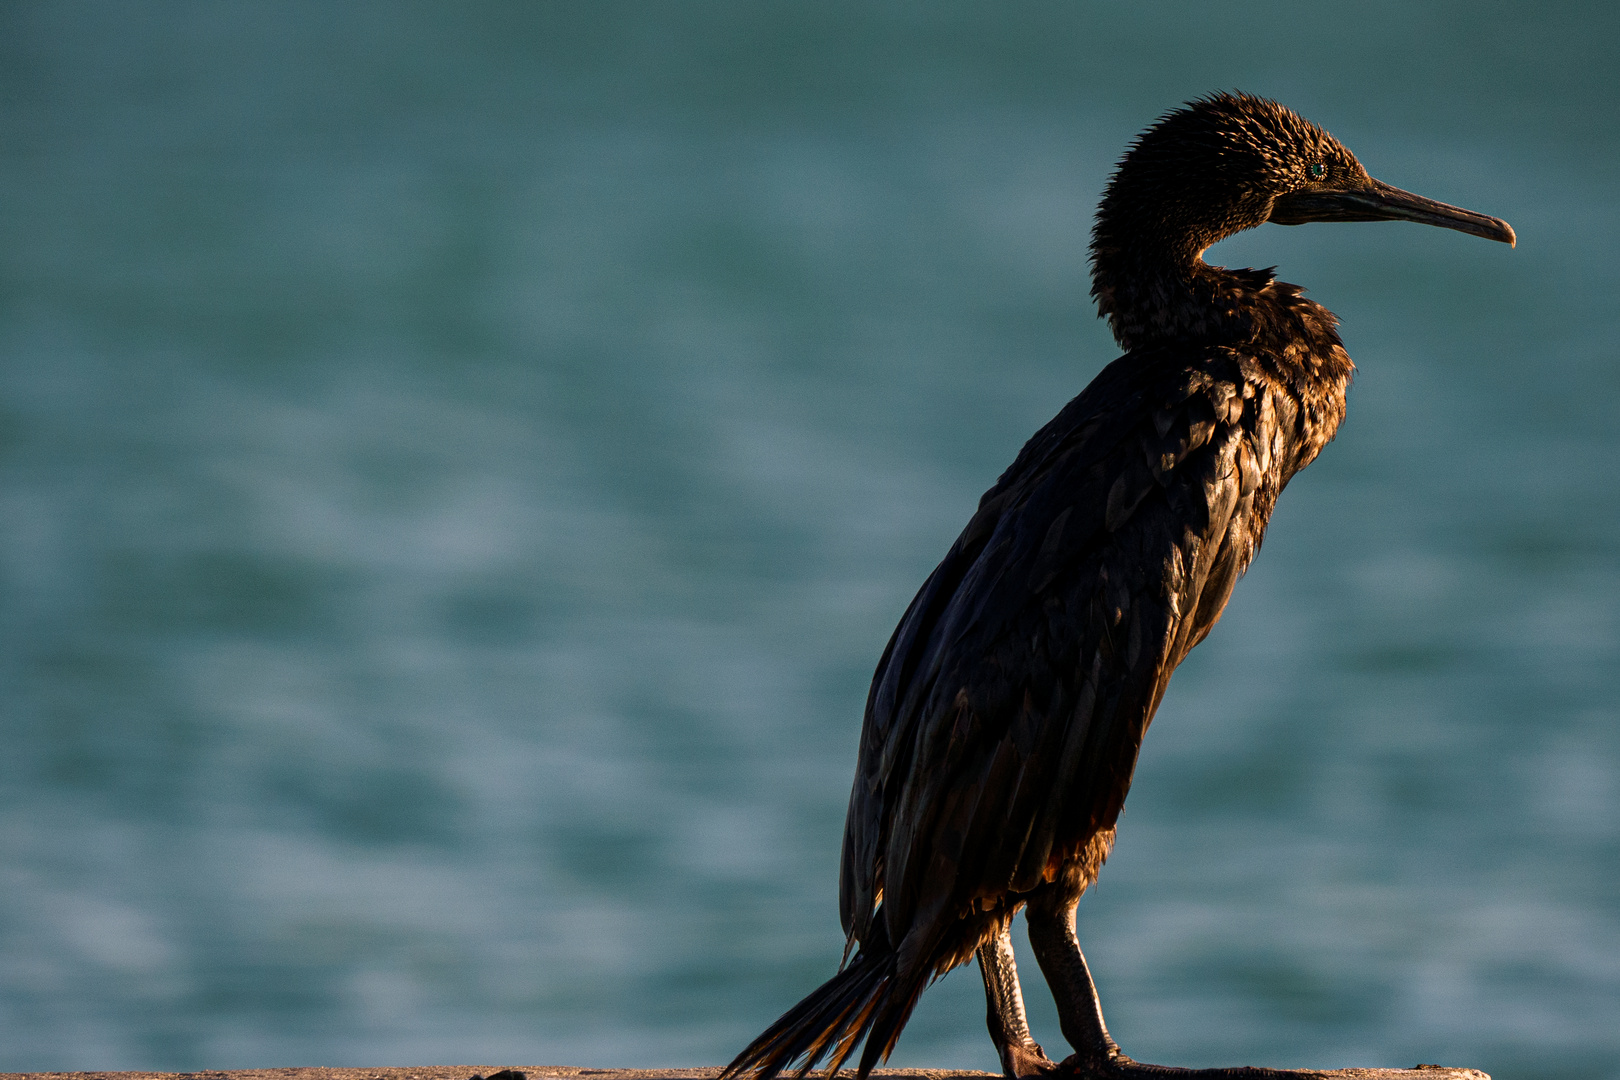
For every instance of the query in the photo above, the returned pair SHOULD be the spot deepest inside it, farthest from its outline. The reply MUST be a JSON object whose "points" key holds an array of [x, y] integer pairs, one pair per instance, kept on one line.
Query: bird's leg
{"points": [[1098, 1057], [1057, 950], [1021, 1056]]}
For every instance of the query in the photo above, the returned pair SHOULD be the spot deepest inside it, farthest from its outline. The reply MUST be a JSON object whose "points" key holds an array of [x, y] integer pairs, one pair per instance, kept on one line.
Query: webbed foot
{"points": [[1026, 1062]]}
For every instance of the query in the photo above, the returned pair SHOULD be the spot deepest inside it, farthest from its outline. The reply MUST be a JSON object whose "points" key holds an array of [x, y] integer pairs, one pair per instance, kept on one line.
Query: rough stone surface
{"points": [[563, 1072], [467, 1072]]}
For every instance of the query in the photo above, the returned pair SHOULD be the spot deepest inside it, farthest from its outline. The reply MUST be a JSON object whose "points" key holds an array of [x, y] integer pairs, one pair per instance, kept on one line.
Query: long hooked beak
{"points": [[1381, 202]]}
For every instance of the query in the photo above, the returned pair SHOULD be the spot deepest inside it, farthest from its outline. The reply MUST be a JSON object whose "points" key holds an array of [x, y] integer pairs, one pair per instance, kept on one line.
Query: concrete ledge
{"points": [[487, 1072], [563, 1072]]}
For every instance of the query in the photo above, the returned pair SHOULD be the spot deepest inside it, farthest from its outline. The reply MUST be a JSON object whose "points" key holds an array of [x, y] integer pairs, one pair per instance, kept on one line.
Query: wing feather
{"points": [[1008, 708]]}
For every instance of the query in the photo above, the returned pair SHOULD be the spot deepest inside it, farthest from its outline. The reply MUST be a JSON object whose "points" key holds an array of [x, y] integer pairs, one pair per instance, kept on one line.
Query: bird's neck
{"points": [[1163, 296], [1187, 302]]}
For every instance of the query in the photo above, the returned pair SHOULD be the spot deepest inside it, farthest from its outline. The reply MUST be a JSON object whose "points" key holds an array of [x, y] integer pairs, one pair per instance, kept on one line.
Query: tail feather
{"points": [[866, 1000], [890, 1016]]}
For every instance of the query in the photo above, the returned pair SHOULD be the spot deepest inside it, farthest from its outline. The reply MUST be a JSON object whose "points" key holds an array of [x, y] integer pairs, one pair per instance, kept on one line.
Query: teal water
{"points": [[459, 466]]}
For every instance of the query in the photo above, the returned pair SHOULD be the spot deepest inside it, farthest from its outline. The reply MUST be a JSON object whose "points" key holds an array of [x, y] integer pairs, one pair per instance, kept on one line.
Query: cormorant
{"points": [[1006, 714]]}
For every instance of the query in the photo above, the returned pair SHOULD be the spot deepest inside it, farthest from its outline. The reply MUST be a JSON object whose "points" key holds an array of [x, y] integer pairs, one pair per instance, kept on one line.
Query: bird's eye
{"points": [[1316, 170]]}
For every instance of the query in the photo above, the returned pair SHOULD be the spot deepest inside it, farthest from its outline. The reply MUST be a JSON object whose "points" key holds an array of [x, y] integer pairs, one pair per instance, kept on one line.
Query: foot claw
{"points": [[1027, 1062], [1107, 1062]]}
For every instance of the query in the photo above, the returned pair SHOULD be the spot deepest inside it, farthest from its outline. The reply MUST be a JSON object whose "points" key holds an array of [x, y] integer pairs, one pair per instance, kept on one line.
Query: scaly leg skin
{"points": [[1098, 1057], [1021, 1056]]}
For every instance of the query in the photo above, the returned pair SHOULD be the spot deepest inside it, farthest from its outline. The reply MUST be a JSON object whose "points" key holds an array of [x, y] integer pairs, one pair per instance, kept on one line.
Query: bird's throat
{"points": [[1153, 298]]}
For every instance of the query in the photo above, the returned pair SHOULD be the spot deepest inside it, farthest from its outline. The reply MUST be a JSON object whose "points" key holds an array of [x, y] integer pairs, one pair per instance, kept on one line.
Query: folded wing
{"points": [[1006, 714]]}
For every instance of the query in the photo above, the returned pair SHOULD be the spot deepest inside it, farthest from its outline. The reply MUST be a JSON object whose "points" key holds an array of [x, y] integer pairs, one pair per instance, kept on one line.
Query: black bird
{"points": [[1005, 717]]}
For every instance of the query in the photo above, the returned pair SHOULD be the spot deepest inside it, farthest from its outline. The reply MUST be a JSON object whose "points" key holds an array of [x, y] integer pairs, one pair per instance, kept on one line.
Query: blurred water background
{"points": [[459, 465]]}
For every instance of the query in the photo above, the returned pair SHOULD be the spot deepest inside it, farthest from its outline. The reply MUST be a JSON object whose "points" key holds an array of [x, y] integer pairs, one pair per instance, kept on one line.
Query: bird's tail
{"points": [[868, 1000]]}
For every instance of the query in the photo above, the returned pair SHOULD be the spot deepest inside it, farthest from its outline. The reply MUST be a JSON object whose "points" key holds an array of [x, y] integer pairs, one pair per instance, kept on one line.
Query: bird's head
{"points": [[1230, 162]]}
